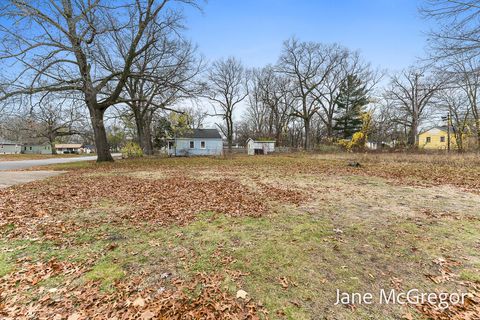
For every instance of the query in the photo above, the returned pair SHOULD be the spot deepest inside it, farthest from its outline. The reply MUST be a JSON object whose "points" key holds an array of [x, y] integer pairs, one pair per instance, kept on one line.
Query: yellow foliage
{"points": [[132, 150], [359, 139]]}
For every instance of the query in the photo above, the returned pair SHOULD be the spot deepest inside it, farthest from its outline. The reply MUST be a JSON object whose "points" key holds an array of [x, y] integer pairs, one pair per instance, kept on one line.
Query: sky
{"points": [[389, 33]]}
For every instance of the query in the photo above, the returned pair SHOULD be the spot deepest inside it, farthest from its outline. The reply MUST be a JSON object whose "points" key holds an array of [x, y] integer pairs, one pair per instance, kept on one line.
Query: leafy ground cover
{"points": [[241, 238]]}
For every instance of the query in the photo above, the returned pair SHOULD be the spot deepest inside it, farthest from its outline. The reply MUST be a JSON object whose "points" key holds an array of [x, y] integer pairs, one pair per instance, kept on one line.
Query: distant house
{"points": [[88, 148], [9, 147], [436, 138], [196, 142], [67, 148], [44, 148], [260, 146]]}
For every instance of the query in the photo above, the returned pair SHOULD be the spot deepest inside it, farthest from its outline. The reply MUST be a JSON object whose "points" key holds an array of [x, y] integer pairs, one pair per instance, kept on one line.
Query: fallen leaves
{"points": [[202, 297], [469, 310], [38, 207]]}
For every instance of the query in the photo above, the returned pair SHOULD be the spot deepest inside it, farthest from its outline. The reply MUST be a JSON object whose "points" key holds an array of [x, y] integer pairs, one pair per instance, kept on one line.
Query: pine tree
{"points": [[350, 101]]}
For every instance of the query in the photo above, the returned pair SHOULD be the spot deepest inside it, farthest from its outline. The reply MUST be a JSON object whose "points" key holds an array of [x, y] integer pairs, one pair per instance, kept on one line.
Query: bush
{"points": [[132, 150]]}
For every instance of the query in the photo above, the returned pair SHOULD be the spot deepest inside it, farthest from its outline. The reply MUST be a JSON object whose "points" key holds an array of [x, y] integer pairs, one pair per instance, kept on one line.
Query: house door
{"points": [[170, 145]]}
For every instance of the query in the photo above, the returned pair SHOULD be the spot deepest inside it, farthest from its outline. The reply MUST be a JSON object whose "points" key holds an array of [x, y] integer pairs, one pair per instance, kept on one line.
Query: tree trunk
{"points": [[52, 146], [147, 135], [51, 141], [101, 142], [229, 133], [477, 122], [143, 123], [140, 131], [412, 134], [306, 122]]}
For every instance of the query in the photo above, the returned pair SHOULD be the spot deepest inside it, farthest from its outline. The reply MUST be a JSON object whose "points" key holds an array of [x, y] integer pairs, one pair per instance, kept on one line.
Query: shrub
{"points": [[132, 150]]}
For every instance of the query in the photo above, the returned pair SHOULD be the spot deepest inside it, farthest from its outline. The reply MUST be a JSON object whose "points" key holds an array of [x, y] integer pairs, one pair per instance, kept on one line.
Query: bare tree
{"points": [[226, 89], [196, 116], [307, 65], [454, 102], [69, 46], [270, 103], [53, 118], [350, 63], [464, 74], [458, 29], [162, 76], [411, 93]]}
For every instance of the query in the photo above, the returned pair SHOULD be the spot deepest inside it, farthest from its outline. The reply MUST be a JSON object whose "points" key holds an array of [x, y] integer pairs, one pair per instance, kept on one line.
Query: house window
{"points": [[202, 144], [442, 139], [192, 144], [30, 148], [429, 139]]}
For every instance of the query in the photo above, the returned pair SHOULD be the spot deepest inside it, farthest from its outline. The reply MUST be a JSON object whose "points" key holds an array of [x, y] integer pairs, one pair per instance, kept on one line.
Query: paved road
{"points": [[24, 164], [9, 178]]}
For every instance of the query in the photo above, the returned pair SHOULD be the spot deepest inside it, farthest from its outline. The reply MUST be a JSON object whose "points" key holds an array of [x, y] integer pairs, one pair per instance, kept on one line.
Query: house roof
{"points": [[261, 141], [36, 144], [4, 141], [201, 134], [68, 145], [441, 128]]}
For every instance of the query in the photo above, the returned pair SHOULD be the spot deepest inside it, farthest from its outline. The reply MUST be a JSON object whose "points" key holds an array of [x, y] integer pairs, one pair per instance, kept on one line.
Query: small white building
{"points": [[68, 148], [260, 146]]}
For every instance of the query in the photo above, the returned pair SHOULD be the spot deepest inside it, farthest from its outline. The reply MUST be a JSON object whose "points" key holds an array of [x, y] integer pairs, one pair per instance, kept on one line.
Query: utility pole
{"points": [[448, 130], [448, 119]]}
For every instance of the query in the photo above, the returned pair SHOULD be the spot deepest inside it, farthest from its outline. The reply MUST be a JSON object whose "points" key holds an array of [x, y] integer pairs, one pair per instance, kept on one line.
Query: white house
{"points": [[9, 147], [260, 146], [196, 142], [68, 148]]}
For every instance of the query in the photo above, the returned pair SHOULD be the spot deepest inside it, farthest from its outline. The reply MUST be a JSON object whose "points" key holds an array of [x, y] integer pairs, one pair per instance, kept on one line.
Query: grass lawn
{"points": [[153, 238]]}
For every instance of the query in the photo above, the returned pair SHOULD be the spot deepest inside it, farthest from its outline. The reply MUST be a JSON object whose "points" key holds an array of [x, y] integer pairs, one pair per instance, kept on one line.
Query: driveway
{"points": [[8, 178], [25, 164]]}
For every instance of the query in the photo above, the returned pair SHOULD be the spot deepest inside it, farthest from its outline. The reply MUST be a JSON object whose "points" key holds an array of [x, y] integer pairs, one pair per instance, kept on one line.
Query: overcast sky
{"points": [[389, 33]]}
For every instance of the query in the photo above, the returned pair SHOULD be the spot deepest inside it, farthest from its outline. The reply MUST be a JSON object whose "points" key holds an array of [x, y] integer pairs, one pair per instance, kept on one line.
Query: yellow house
{"points": [[436, 139]]}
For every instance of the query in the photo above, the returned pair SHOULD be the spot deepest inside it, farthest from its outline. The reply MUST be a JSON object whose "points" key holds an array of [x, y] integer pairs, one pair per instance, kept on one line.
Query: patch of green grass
{"points": [[107, 272], [52, 282], [6, 229], [6, 266], [470, 275]]}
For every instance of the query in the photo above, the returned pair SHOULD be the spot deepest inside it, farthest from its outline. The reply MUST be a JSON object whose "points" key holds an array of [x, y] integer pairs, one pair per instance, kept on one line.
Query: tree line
{"points": [[68, 65]]}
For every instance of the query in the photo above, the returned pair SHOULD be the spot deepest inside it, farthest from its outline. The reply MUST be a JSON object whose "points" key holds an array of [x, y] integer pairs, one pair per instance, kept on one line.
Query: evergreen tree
{"points": [[350, 101]]}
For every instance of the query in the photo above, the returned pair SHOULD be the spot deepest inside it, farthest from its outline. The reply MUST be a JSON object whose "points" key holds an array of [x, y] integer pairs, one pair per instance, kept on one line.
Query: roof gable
{"points": [[436, 129], [5, 142], [200, 134]]}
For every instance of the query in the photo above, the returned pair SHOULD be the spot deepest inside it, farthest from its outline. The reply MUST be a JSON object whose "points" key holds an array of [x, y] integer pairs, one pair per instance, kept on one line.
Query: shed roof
{"points": [[261, 141], [201, 134]]}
